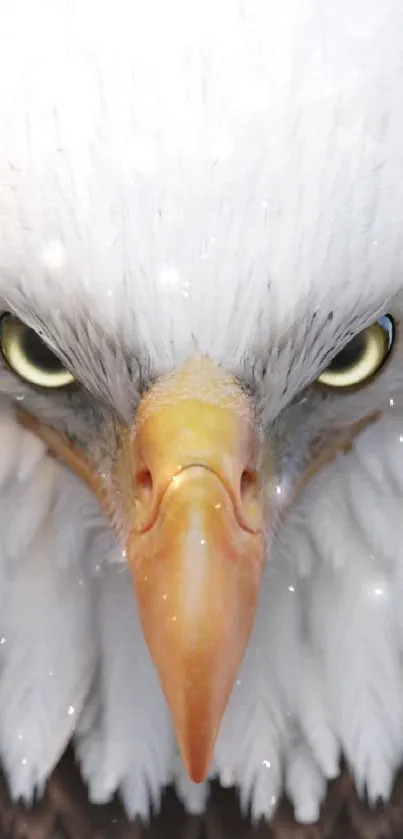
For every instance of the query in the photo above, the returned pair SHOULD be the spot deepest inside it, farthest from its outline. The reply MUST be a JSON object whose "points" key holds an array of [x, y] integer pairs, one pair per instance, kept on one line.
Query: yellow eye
{"points": [[29, 357], [362, 357]]}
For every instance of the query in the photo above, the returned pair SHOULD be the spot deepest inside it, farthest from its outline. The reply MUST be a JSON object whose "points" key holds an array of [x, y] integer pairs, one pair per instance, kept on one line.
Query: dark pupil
{"points": [[38, 353], [349, 355]]}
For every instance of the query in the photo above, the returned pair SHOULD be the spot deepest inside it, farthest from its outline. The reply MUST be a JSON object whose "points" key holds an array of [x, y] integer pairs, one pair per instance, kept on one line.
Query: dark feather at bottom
{"points": [[65, 813]]}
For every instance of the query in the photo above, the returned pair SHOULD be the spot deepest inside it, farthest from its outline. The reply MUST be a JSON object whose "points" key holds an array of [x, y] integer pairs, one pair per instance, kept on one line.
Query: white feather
{"points": [[304, 783], [352, 623], [131, 748], [11, 437], [32, 451], [253, 735], [47, 652], [193, 796], [313, 714], [88, 732], [25, 508]]}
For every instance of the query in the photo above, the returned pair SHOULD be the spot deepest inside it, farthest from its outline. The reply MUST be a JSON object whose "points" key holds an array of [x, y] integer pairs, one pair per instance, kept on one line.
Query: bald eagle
{"points": [[201, 397]]}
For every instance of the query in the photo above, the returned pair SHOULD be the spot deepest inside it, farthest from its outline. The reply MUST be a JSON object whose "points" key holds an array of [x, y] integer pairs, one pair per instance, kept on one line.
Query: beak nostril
{"points": [[249, 486], [144, 482]]}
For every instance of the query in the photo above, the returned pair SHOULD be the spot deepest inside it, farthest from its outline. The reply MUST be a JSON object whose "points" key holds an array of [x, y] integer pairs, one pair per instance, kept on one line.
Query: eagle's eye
{"points": [[29, 357], [362, 357]]}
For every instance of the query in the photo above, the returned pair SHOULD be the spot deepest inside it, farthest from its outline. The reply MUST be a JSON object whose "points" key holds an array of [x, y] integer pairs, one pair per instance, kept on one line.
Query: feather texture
{"points": [[351, 615], [130, 748], [304, 782], [253, 735], [47, 642], [313, 714], [193, 195], [324, 657], [181, 174]]}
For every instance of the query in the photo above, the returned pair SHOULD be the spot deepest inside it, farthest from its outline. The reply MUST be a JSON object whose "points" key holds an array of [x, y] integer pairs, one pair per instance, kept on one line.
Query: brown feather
{"points": [[65, 813]]}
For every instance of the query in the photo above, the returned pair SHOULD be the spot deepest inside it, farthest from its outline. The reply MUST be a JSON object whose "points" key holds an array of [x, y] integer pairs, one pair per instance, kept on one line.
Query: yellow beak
{"points": [[190, 474]]}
